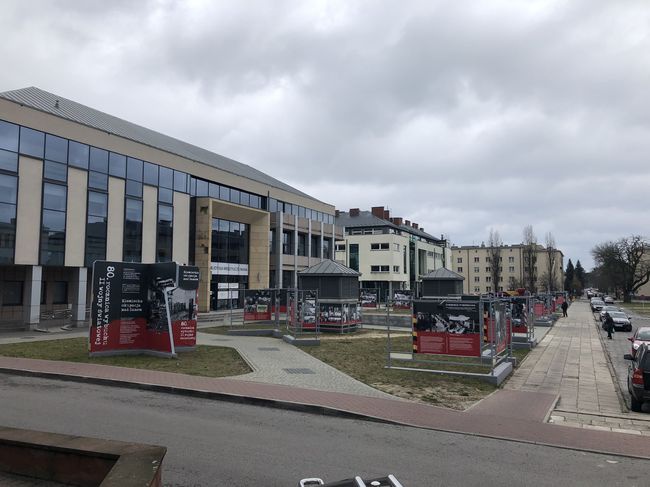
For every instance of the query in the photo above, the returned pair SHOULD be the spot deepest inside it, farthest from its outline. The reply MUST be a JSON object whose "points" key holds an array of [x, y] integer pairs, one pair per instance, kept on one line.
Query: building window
{"points": [[396, 269], [459, 269], [340, 247], [488, 289], [511, 268], [379, 246], [477, 279], [56, 148], [511, 259], [287, 242], [96, 226], [132, 230], [12, 293], [32, 142], [379, 268], [302, 244], [477, 269], [477, 259], [78, 155], [404, 260], [53, 224], [165, 233], [488, 269], [8, 195], [501, 288], [488, 259], [488, 279], [477, 289], [396, 248], [354, 257], [327, 248], [459, 260], [315, 246], [117, 165]]}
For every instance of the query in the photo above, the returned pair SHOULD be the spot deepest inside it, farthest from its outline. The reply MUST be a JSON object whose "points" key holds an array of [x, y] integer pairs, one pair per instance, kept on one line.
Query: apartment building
{"points": [[79, 185], [474, 263], [391, 253]]}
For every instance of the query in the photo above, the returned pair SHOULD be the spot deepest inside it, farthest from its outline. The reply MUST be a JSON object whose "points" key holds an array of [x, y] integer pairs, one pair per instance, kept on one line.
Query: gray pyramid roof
{"points": [[329, 268], [43, 101], [443, 274]]}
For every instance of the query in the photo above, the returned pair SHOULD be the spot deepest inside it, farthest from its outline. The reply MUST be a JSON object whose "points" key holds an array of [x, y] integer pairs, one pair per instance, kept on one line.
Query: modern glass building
{"points": [[78, 185]]}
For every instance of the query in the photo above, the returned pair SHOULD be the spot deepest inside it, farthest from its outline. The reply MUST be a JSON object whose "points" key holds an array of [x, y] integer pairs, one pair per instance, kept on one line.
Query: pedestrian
{"points": [[609, 325], [565, 306]]}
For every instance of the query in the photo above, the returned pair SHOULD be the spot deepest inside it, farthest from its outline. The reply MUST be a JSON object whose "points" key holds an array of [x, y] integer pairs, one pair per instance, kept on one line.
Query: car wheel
{"points": [[635, 404]]}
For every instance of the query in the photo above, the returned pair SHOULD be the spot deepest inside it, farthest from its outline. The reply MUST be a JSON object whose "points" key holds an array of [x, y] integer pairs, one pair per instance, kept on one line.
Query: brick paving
{"points": [[573, 361]]}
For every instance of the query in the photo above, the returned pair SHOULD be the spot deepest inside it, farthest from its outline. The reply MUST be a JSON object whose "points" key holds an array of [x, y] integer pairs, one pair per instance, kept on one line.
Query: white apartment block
{"points": [[475, 264], [390, 253]]}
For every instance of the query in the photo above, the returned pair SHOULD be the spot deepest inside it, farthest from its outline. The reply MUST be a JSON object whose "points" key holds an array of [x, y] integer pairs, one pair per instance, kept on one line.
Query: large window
{"points": [[132, 230], [327, 248], [53, 224], [287, 242], [12, 293], [8, 195], [315, 246], [96, 226], [354, 257], [165, 233], [230, 253], [302, 244]]}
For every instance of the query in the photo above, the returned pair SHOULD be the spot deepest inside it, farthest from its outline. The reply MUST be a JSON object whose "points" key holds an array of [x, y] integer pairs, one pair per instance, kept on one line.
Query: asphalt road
{"points": [[213, 443]]}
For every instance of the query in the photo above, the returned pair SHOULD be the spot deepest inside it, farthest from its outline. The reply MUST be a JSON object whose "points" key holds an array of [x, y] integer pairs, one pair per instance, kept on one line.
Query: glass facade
{"points": [[230, 257], [132, 230], [58, 153], [96, 227], [53, 224], [354, 257], [165, 234]]}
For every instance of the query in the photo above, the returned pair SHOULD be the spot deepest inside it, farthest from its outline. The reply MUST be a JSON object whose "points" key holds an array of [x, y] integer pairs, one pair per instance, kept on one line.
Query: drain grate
{"points": [[268, 349], [299, 371]]}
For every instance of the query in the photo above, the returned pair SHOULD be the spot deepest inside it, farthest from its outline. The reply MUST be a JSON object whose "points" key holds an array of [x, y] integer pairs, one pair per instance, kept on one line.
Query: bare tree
{"points": [[551, 274], [624, 264], [494, 251], [530, 259]]}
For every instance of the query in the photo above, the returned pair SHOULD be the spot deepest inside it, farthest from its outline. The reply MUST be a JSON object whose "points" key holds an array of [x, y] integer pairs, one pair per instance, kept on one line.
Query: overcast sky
{"points": [[461, 115]]}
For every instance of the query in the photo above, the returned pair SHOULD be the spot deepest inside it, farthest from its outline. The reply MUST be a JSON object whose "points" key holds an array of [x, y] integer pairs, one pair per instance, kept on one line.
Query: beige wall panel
{"points": [[49, 123], [181, 229], [75, 223], [149, 223], [203, 245], [28, 221], [115, 237]]}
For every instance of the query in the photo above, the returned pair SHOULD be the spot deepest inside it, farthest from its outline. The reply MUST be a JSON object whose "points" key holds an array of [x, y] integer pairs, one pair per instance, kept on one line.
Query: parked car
{"points": [[641, 336], [608, 300], [607, 309], [638, 377], [597, 304], [621, 321]]}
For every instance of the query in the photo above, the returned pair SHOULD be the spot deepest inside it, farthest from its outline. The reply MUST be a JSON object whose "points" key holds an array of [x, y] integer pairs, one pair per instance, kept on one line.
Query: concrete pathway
{"points": [[571, 362]]}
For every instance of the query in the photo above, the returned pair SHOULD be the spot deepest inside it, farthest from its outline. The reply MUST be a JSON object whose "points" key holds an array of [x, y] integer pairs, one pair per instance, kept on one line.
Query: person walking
{"points": [[565, 306], [609, 325]]}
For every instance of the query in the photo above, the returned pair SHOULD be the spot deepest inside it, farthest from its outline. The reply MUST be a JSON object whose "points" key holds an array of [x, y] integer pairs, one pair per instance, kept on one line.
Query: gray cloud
{"points": [[460, 115]]}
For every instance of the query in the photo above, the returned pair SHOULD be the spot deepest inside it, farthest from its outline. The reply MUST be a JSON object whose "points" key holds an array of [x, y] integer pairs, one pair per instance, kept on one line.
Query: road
{"points": [[213, 443]]}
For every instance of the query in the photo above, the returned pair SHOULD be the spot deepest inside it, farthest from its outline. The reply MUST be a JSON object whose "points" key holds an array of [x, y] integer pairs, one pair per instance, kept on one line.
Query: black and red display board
{"points": [[143, 308], [257, 305], [447, 327]]}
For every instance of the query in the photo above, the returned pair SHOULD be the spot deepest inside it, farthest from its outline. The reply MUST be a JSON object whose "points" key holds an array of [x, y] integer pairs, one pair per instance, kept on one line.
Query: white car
{"points": [[608, 300]]}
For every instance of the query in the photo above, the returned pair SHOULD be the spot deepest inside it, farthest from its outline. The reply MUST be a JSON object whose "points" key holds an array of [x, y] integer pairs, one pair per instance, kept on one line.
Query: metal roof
{"points": [[44, 101], [366, 219], [329, 267], [443, 274]]}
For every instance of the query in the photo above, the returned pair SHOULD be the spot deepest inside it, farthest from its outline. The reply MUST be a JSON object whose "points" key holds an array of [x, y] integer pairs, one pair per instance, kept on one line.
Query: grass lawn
{"points": [[640, 308], [363, 356], [205, 361]]}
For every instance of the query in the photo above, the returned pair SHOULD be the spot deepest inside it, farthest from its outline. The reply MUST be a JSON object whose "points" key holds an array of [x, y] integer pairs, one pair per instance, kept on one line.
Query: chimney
{"points": [[422, 229], [386, 215], [354, 211], [415, 225], [407, 223], [378, 211], [397, 221], [337, 213]]}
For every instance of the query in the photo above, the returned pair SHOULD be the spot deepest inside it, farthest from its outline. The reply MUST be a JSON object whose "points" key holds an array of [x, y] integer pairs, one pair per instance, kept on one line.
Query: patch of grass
{"points": [[204, 361], [365, 359], [637, 307]]}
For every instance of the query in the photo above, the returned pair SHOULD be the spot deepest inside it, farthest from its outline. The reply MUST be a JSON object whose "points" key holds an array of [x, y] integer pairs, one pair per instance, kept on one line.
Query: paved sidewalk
{"points": [[570, 361]]}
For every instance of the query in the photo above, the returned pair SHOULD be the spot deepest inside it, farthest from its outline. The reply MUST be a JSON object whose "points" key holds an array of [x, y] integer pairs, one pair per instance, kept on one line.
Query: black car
{"points": [[638, 377]]}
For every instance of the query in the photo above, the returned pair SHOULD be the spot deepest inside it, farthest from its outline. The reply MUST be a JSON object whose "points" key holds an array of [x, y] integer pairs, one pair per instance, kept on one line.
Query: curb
{"points": [[293, 406]]}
